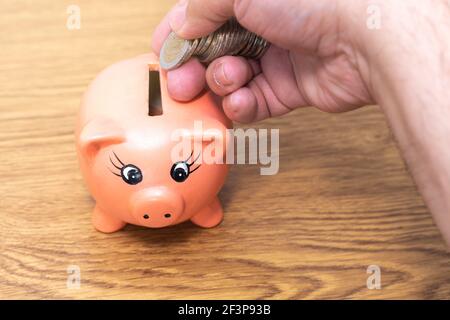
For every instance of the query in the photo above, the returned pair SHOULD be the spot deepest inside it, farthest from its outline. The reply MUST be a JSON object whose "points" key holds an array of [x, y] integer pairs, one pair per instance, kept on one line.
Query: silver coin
{"points": [[194, 45], [239, 40], [215, 47], [243, 41], [200, 46], [262, 50], [203, 51], [257, 48], [174, 51], [230, 39], [236, 39], [248, 45], [227, 38]]}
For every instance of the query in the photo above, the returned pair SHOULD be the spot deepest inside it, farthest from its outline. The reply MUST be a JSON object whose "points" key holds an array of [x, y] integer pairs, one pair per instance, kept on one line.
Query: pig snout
{"points": [[157, 207]]}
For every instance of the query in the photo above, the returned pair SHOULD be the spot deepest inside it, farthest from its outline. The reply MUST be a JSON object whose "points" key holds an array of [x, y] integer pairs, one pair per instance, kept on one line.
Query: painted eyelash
{"points": [[116, 166], [190, 171], [190, 164], [123, 164]]}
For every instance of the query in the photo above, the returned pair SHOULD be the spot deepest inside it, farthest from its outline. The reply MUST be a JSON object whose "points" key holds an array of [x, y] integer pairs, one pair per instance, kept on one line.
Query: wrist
{"points": [[407, 69]]}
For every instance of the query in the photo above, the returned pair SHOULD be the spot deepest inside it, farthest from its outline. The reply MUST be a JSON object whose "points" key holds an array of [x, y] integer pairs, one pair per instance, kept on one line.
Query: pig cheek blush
{"points": [[128, 117]]}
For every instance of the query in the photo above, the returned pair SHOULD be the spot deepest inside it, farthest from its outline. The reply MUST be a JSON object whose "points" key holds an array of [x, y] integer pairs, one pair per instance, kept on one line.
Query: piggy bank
{"points": [[142, 154]]}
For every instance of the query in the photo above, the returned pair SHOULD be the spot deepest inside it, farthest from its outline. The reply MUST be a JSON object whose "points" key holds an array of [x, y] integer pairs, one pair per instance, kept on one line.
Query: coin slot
{"points": [[154, 92]]}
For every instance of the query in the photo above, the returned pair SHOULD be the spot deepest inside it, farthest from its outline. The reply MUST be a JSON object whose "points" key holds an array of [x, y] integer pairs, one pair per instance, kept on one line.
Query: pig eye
{"points": [[129, 173], [181, 170]]}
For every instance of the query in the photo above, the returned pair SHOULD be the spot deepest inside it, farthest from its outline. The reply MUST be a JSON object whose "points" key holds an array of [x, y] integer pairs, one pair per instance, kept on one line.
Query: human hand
{"points": [[324, 55], [312, 60]]}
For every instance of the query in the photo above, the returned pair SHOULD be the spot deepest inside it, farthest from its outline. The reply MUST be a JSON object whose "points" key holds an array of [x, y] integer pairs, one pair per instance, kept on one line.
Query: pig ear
{"points": [[97, 134]]}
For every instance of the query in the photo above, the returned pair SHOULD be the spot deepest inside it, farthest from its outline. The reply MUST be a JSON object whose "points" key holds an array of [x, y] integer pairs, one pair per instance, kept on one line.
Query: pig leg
{"points": [[210, 216], [106, 223]]}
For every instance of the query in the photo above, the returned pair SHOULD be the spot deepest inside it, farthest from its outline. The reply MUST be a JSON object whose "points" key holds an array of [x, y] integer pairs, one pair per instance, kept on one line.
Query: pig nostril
{"points": [[167, 215], [146, 216]]}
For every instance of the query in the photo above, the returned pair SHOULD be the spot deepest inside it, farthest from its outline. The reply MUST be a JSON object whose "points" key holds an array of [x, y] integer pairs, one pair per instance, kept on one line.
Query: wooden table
{"points": [[342, 200]]}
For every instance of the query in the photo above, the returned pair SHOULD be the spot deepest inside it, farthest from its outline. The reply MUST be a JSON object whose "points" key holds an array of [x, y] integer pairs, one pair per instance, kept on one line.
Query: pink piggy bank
{"points": [[143, 154]]}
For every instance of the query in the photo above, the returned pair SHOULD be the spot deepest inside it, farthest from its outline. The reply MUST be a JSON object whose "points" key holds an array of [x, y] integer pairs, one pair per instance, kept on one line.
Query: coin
{"points": [[238, 40], [248, 45], [201, 46], [202, 51], [225, 38], [259, 47], [194, 45], [262, 49], [174, 52], [230, 39]]}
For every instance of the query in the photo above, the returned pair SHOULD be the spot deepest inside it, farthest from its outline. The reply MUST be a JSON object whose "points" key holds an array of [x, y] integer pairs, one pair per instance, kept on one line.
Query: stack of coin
{"points": [[230, 39]]}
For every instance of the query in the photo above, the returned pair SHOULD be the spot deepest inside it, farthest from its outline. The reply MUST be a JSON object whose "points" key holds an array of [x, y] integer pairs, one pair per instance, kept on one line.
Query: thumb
{"points": [[283, 23], [197, 18]]}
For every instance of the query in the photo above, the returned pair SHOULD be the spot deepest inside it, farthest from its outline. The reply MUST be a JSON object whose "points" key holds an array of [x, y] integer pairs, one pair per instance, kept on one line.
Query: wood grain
{"points": [[342, 200]]}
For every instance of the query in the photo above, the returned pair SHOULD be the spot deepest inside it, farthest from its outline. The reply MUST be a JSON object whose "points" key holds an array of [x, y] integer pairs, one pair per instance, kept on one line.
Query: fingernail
{"points": [[178, 16], [220, 75]]}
